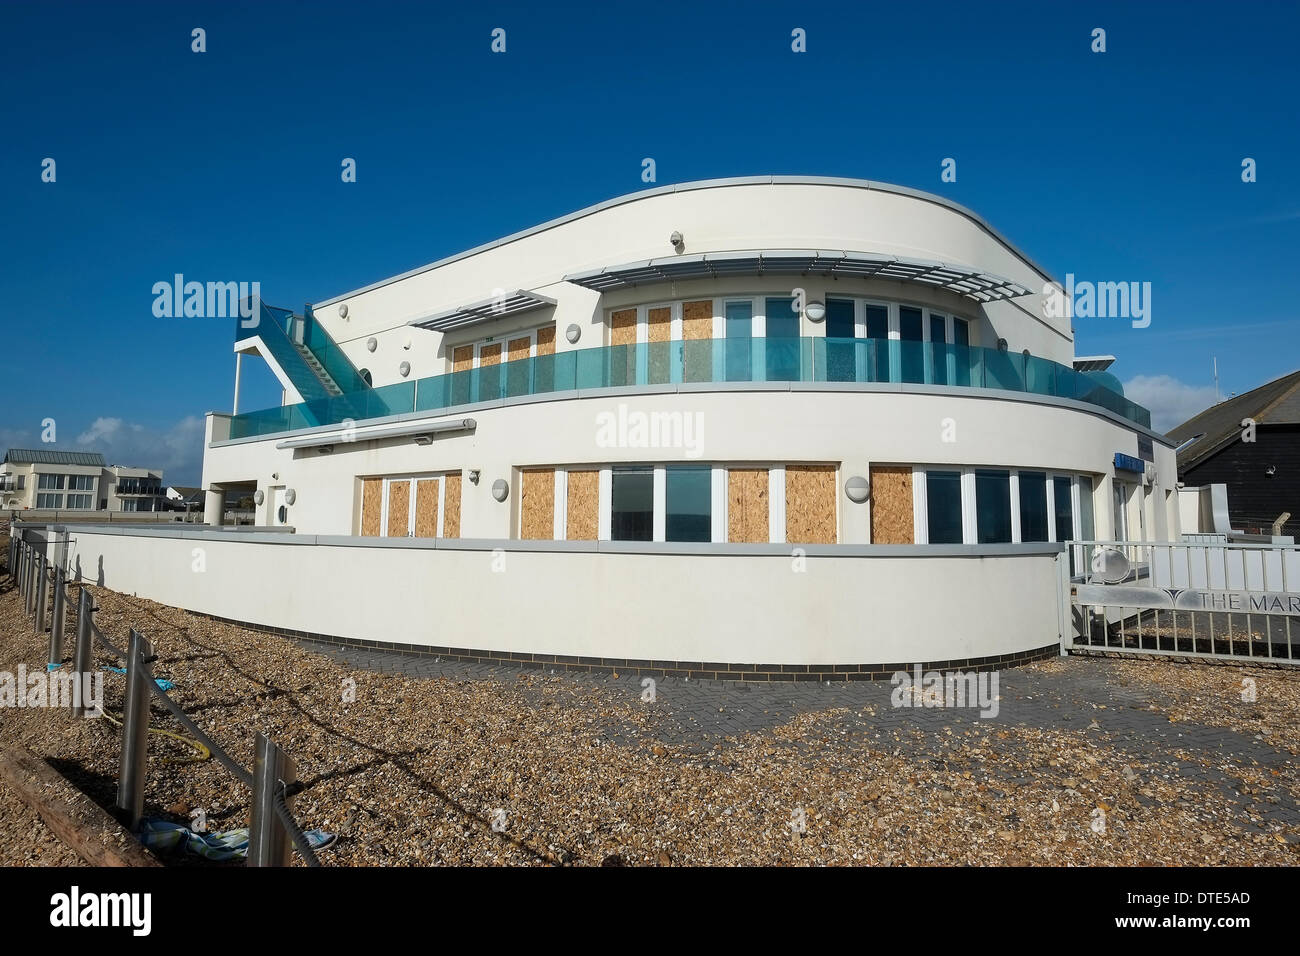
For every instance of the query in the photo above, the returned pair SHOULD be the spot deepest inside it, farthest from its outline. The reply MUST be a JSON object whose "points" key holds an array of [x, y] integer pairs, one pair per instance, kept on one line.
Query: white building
{"points": [[817, 423], [49, 480]]}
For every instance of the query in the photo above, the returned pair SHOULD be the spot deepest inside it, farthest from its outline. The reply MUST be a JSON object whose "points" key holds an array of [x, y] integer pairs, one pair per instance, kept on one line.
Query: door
{"points": [[277, 514]]}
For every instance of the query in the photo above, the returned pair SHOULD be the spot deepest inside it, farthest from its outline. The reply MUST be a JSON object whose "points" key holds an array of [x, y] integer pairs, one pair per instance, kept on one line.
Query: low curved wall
{"points": [[832, 609]]}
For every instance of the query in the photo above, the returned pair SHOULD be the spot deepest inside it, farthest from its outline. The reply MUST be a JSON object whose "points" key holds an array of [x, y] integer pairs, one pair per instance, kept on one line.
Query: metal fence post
{"points": [[56, 626], [85, 634], [20, 564], [13, 554], [135, 730], [268, 841], [27, 581], [38, 620]]}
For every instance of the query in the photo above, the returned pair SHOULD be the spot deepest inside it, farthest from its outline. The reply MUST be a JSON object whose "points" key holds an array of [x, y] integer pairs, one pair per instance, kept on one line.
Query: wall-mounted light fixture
{"points": [[372, 343], [259, 496], [677, 241], [500, 489], [290, 496], [1002, 345], [404, 369], [343, 310], [423, 439], [573, 333], [816, 311], [326, 449], [858, 489]]}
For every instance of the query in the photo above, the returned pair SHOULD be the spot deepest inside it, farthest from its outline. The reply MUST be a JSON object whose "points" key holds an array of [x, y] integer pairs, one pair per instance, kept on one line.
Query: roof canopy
{"points": [[495, 308], [963, 280], [45, 456], [1093, 363]]}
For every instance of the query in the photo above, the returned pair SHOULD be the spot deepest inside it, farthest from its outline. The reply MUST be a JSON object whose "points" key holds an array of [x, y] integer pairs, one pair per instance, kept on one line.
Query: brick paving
{"points": [[1090, 695]]}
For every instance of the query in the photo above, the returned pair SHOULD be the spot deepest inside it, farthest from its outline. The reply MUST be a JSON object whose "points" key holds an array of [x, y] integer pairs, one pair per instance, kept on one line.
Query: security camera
{"points": [[676, 240]]}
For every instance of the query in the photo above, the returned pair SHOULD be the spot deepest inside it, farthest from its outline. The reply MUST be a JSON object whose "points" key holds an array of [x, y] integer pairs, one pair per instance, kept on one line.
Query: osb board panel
{"points": [[546, 341], [659, 324], [489, 354], [426, 508], [582, 512], [462, 358], [537, 505], [891, 505], [372, 506], [518, 349], [399, 509], [697, 319], [451, 506], [622, 326], [810, 504], [747, 505]]}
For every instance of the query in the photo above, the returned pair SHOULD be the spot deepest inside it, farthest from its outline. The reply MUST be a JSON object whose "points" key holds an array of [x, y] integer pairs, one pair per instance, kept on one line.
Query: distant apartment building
{"points": [[45, 479]]}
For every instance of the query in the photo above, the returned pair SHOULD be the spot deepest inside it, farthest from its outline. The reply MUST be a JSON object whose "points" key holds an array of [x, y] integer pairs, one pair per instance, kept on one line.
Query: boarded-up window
{"points": [[622, 357], [426, 508], [891, 505], [537, 505], [372, 505], [622, 326], [399, 509], [489, 354], [546, 341], [747, 505], [582, 512], [810, 504], [451, 506], [462, 358], [697, 347], [659, 328]]}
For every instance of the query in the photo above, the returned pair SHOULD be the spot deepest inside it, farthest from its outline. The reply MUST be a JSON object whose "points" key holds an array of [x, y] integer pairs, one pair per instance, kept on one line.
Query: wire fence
{"points": [[273, 828]]}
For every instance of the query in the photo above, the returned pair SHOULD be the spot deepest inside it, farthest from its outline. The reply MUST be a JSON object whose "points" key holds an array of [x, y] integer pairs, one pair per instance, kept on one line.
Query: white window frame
{"points": [[414, 479]]}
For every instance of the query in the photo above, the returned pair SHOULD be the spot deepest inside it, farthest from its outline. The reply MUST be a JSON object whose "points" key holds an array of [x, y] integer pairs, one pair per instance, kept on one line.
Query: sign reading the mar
{"points": [[1190, 599]]}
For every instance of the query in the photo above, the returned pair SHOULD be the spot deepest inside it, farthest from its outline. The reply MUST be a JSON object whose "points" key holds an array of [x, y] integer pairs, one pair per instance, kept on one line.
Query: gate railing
{"points": [[1192, 598], [273, 830]]}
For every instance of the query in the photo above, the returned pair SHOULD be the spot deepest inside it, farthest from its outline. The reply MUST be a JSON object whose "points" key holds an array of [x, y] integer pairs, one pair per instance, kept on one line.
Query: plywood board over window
{"points": [[462, 358], [519, 348], [622, 326], [582, 507], [546, 341], [399, 509], [810, 504], [537, 504], [372, 505], [489, 354], [659, 328], [451, 506], [697, 350], [747, 505], [426, 508], [891, 505]]}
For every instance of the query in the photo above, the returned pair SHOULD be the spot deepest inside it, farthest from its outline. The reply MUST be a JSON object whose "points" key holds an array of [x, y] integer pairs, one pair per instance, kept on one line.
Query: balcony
{"points": [[738, 360]]}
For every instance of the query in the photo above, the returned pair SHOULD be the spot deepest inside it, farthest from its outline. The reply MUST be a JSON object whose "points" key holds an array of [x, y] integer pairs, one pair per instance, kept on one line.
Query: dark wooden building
{"points": [[1263, 476]]}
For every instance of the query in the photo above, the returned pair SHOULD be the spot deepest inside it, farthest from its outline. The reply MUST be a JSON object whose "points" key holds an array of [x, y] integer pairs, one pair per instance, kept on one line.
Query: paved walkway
{"points": [[708, 716]]}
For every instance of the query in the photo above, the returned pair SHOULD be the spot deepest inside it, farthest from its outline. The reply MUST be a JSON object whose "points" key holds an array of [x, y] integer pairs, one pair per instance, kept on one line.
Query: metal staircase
{"points": [[309, 359]]}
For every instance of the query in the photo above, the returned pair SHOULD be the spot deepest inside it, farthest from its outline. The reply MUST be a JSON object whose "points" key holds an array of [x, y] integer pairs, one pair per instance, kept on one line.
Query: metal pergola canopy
{"points": [[1093, 363], [511, 303], [971, 283]]}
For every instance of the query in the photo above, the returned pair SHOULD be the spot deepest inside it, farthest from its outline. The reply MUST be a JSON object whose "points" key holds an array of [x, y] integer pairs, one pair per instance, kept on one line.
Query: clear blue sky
{"points": [[225, 165]]}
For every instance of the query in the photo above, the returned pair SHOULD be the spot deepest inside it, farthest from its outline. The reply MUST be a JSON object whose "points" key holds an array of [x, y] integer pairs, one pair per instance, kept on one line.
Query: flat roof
{"points": [[690, 187]]}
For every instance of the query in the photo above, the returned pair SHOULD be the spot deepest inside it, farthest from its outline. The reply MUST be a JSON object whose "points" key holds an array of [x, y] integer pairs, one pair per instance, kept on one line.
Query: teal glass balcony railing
{"points": [[704, 361], [280, 329]]}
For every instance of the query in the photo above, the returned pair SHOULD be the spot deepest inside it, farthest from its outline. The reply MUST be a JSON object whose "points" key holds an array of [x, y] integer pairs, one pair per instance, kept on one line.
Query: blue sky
{"points": [[225, 165]]}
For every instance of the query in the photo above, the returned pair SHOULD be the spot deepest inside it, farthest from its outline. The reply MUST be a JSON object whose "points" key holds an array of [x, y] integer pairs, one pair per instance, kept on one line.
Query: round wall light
{"points": [[573, 333], [290, 496], [259, 496], [343, 310], [404, 369], [500, 489], [372, 343], [816, 311], [858, 489]]}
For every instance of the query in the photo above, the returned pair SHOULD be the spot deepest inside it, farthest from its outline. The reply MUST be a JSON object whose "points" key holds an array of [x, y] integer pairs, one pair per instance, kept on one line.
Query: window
{"points": [[841, 365], [688, 501], [632, 504], [782, 343], [50, 481], [49, 501], [740, 330], [910, 331], [961, 351], [81, 483], [1064, 507], [943, 506], [1033, 505], [992, 506], [78, 501], [938, 351], [878, 329], [1087, 531]]}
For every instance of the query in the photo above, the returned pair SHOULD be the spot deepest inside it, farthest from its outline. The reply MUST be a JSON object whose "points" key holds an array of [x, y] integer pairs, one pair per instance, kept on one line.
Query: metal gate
{"points": [[1200, 597]]}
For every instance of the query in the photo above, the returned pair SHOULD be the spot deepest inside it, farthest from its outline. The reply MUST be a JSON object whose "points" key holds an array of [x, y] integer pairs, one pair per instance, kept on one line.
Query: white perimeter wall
{"points": [[732, 608]]}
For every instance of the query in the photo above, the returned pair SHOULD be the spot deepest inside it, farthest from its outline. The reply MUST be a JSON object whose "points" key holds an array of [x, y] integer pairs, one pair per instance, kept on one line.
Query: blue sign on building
{"points": [[1128, 463]]}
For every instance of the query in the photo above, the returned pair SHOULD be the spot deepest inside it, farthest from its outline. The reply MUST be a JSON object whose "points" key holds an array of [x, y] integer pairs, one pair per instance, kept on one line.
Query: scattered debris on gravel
{"points": [[541, 769]]}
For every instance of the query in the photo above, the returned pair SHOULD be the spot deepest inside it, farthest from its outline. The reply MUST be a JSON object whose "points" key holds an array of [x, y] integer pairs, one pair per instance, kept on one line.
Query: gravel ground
{"points": [[528, 768]]}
